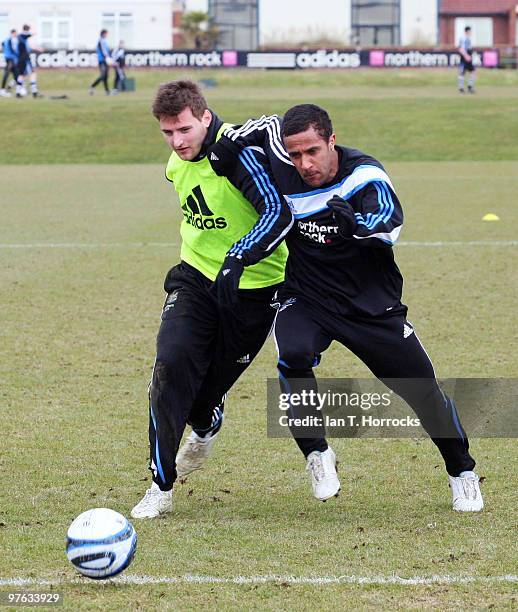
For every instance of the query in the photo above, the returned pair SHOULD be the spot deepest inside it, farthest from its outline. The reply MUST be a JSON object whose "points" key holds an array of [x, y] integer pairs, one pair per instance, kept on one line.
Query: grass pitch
{"points": [[403, 115], [83, 252]]}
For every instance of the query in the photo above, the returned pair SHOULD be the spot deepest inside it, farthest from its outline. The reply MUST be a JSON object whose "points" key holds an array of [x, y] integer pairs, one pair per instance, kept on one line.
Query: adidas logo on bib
{"points": [[198, 214]]}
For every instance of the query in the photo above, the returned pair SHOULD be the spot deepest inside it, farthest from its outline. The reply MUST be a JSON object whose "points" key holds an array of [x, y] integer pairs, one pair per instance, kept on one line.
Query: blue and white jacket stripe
{"points": [[312, 202]]}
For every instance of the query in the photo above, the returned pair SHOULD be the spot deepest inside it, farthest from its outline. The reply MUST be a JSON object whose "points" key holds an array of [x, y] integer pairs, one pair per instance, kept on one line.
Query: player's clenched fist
{"points": [[343, 215]]}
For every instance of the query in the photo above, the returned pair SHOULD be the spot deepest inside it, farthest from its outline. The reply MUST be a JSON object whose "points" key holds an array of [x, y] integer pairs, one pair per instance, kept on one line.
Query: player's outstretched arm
{"points": [[264, 133], [248, 170]]}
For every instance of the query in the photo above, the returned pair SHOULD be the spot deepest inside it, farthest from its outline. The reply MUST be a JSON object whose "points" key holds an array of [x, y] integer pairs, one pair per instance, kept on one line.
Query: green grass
{"points": [[78, 331], [419, 117], [79, 326], [390, 80]]}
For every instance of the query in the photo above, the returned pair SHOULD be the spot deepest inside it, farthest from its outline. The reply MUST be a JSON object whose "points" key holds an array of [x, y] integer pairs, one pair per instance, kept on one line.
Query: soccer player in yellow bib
{"points": [[219, 306]]}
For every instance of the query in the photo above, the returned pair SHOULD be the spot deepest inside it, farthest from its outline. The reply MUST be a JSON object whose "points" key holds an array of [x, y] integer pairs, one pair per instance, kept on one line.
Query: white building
{"points": [[75, 24], [368, 23], [419, 22], [148, 24], [383, 22]]}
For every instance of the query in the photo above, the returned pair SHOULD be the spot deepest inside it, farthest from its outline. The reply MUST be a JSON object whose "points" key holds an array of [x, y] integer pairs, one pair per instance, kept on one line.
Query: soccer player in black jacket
{"points": [[342, 283]]}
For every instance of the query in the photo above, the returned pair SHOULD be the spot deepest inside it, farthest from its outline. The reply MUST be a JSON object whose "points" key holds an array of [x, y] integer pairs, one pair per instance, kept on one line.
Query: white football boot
{"points": [[322, 471], [154, 503], [193, 454], [466, 493], [4, 93]]}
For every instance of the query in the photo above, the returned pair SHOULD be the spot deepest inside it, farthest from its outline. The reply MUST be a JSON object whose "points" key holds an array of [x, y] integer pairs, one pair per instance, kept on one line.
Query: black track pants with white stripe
{"points": [[303, 333], [202, 349]]}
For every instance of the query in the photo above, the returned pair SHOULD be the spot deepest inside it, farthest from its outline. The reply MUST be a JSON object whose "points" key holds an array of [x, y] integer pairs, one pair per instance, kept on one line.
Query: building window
{"points": [[55, 31], [4, 25], [119, 26], [237, 22], [481, 30], [375, 22]]}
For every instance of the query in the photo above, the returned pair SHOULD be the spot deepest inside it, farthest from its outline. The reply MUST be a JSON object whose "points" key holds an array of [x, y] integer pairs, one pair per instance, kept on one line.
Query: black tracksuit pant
{"points": [[202, 349], [10, 67], [303, 332], [103, 77]]}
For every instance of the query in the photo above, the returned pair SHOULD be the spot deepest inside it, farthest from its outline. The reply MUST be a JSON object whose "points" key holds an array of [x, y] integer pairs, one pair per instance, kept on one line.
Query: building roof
{"points": [[476, 7]]}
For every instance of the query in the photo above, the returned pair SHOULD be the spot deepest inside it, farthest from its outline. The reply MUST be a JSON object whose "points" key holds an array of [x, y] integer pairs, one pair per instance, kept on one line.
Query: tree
{"points": [[198, 30]]}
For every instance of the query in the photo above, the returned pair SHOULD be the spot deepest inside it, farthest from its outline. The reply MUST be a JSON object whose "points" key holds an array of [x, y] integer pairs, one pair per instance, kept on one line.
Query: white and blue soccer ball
{"points": [[101, 543]]}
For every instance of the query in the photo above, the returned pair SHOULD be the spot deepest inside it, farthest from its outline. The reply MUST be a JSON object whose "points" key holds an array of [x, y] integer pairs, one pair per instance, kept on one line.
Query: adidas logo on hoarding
{"points": [[244, 359]]}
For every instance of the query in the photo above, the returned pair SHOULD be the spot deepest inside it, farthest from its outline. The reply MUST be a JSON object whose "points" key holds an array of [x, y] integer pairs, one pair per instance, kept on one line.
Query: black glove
{"points": [[225, 287], [343, 215]]}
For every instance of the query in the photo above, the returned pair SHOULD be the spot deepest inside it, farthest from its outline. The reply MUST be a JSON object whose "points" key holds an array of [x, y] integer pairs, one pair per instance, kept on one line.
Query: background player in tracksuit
{"points": [[342, 283], [25, 67], [466, 61], [10, 51], [218, 311], [119, 61], [103, 59]]}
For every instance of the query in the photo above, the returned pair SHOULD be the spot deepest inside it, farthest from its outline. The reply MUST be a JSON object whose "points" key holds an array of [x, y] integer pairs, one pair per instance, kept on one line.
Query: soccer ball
{"points": [[101, 543]]}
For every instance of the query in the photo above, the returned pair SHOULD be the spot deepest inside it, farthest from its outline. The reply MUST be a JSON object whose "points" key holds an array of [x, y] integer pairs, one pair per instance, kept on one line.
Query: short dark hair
{"points": [[467, 28], [103, 32], [173, 97], [13, 31], [304, 116], [26, 27]]}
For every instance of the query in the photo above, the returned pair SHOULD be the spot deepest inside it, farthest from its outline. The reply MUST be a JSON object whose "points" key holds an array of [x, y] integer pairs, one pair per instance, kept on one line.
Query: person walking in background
{"points": [[25, 67], [10, 51], [119, 62], [466, 61], [104, 60]]}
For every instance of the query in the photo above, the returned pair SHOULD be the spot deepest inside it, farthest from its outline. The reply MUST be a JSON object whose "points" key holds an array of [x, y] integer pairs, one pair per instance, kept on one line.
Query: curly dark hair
{"points": [[173, 97]]}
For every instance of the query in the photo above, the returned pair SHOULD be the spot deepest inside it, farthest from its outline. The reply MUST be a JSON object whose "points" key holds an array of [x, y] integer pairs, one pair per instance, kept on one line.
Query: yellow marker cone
{"points": [[490, 217]]}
